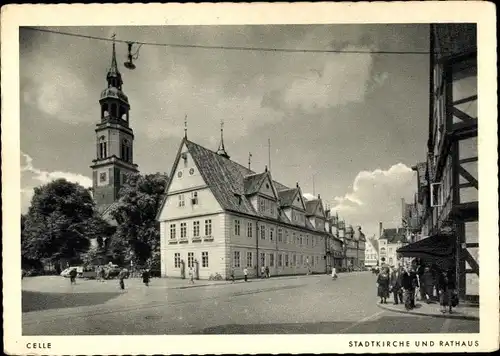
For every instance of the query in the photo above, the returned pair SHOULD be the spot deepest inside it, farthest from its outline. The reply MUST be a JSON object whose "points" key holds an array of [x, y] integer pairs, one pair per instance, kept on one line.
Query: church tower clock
{"points": [[114, 140]]}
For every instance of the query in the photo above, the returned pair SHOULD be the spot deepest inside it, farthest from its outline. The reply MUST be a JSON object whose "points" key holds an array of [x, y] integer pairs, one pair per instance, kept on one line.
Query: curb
{"points": [[444, 316]]}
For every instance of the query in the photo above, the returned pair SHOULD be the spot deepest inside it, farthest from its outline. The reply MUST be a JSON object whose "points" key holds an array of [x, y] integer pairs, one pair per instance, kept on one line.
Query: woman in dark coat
{"points": [[446, 287], [383, 286], [427, 284]]}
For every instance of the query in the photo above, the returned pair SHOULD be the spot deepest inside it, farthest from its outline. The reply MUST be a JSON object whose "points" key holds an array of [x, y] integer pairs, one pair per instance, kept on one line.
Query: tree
{"points": [[59, 222], [138, 233]]}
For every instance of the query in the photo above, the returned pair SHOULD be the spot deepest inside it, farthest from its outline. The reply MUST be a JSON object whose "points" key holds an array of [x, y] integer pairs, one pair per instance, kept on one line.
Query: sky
{"points": [[354, 122]]}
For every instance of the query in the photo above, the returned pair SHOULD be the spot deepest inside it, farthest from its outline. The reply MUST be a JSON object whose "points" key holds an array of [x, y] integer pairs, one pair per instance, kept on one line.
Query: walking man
{"points": [[245, 272], [145, 277], [267, 272], [396, 285], [121, 278], [72, 276], [232, 275]]}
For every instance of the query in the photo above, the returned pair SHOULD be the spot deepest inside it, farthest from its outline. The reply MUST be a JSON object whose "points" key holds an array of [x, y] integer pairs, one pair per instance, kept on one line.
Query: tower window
{"points": [[126, 156], [102, 147], [102, 177]]}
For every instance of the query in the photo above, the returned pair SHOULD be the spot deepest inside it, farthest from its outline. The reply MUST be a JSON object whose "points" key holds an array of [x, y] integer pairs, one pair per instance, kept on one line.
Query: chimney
{"points": [[380, 229]]}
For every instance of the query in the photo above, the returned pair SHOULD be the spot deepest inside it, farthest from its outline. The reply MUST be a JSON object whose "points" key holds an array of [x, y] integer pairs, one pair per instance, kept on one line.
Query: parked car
{"points": [[112, 271], [65, 273]]}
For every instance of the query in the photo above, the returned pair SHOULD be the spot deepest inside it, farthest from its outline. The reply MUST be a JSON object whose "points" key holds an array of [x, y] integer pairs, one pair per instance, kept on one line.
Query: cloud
{"points": [[376, 197], [39, 177], [308, 196]]}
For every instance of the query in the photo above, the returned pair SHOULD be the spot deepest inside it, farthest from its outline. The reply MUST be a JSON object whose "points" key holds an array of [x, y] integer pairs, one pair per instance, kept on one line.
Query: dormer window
{"points": [[179, 174], [191, 171]]}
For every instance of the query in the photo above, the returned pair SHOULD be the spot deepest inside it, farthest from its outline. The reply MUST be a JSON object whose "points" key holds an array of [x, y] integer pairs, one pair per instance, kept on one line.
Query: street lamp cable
{"points": [[234, 48]]}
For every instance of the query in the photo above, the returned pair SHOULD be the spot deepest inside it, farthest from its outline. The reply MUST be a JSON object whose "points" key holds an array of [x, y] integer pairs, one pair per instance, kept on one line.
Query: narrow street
{"points": [[305, 304]]}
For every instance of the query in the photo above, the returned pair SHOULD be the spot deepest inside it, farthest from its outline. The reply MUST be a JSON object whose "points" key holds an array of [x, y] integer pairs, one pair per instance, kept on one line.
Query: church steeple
{"points": [[114, 140], [222, 151], [114, 76]]}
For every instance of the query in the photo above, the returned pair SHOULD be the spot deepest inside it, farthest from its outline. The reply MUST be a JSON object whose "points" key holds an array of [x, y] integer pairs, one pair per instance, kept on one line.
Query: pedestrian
{"points": [[395, 286], [414, 284], [383, 286], [232, 275], [334, 273], [191, 275], [245, 272], [72, 276], [102, 272], [145, 277], [262, 271], [121, 278], [427, 284], [267, 272], [447, 293]]}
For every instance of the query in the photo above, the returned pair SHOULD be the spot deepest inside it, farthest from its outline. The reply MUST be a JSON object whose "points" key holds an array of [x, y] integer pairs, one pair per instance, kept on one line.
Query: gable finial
{"points": [[265, 169], [185, 127], [249, 160], [297, 184]]}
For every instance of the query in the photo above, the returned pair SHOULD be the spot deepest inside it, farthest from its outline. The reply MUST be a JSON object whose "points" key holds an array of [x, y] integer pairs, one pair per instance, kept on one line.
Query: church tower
{"points": [[114, 140]]}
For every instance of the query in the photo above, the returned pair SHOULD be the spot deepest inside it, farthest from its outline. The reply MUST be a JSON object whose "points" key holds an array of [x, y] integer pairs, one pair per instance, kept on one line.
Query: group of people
{"points": [[405, 283]]}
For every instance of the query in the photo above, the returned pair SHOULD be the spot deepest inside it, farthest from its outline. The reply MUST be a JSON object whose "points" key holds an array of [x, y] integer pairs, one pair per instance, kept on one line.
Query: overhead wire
{"points": [[234, 48]]}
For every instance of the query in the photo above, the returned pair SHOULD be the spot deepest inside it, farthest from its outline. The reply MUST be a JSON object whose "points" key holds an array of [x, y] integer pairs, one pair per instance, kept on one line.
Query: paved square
{"points": [[301, 304]]}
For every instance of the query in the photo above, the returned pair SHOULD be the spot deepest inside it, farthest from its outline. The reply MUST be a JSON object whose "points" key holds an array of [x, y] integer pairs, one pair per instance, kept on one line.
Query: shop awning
{"points": [[435, 246]]}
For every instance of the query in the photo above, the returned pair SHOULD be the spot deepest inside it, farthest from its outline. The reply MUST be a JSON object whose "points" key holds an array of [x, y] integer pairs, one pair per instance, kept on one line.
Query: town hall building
{"points": [[219, 217]]}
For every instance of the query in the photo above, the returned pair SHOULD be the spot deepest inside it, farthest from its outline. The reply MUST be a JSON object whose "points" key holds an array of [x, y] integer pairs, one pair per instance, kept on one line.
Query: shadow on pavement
{"points": [[32, 301], [383, 325]]}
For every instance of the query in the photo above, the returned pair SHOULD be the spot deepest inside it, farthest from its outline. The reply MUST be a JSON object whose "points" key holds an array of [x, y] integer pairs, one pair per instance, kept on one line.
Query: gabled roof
{"points": [[311, 206], [374, 243], [286, 196], [231, 183], [393, 236], [253, 182]]}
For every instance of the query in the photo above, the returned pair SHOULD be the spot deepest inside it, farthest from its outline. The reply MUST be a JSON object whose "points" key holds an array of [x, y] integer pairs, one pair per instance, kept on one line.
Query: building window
{"points": [[181, 200], [317, 260], [172, 231], [191, 171], [249, 229], [262, 259], [196, 229], [286, 260], [179, 174], [102, 177], [183, 230], [237, 227], [301, 260], [103, 153], [190, 259], [249, 259], [301, 241], [204, 259], [236, 260], [280, 234], [287, 237], [293, 238], [312, 261], [125, 151], [280, 260], [294, 260], [208, 227], [177, 260], [262, 232], [271, 260], [307, 241], [271, 233], [262, 205], [194, 198]]}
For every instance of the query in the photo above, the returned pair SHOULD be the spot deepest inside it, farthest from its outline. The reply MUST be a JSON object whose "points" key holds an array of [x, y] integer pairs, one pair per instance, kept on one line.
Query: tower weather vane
{"points": [[185, 126]]}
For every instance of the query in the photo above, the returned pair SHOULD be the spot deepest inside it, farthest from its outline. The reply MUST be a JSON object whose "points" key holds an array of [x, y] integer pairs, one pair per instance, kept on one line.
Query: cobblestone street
{"points": [[304, 304]]}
